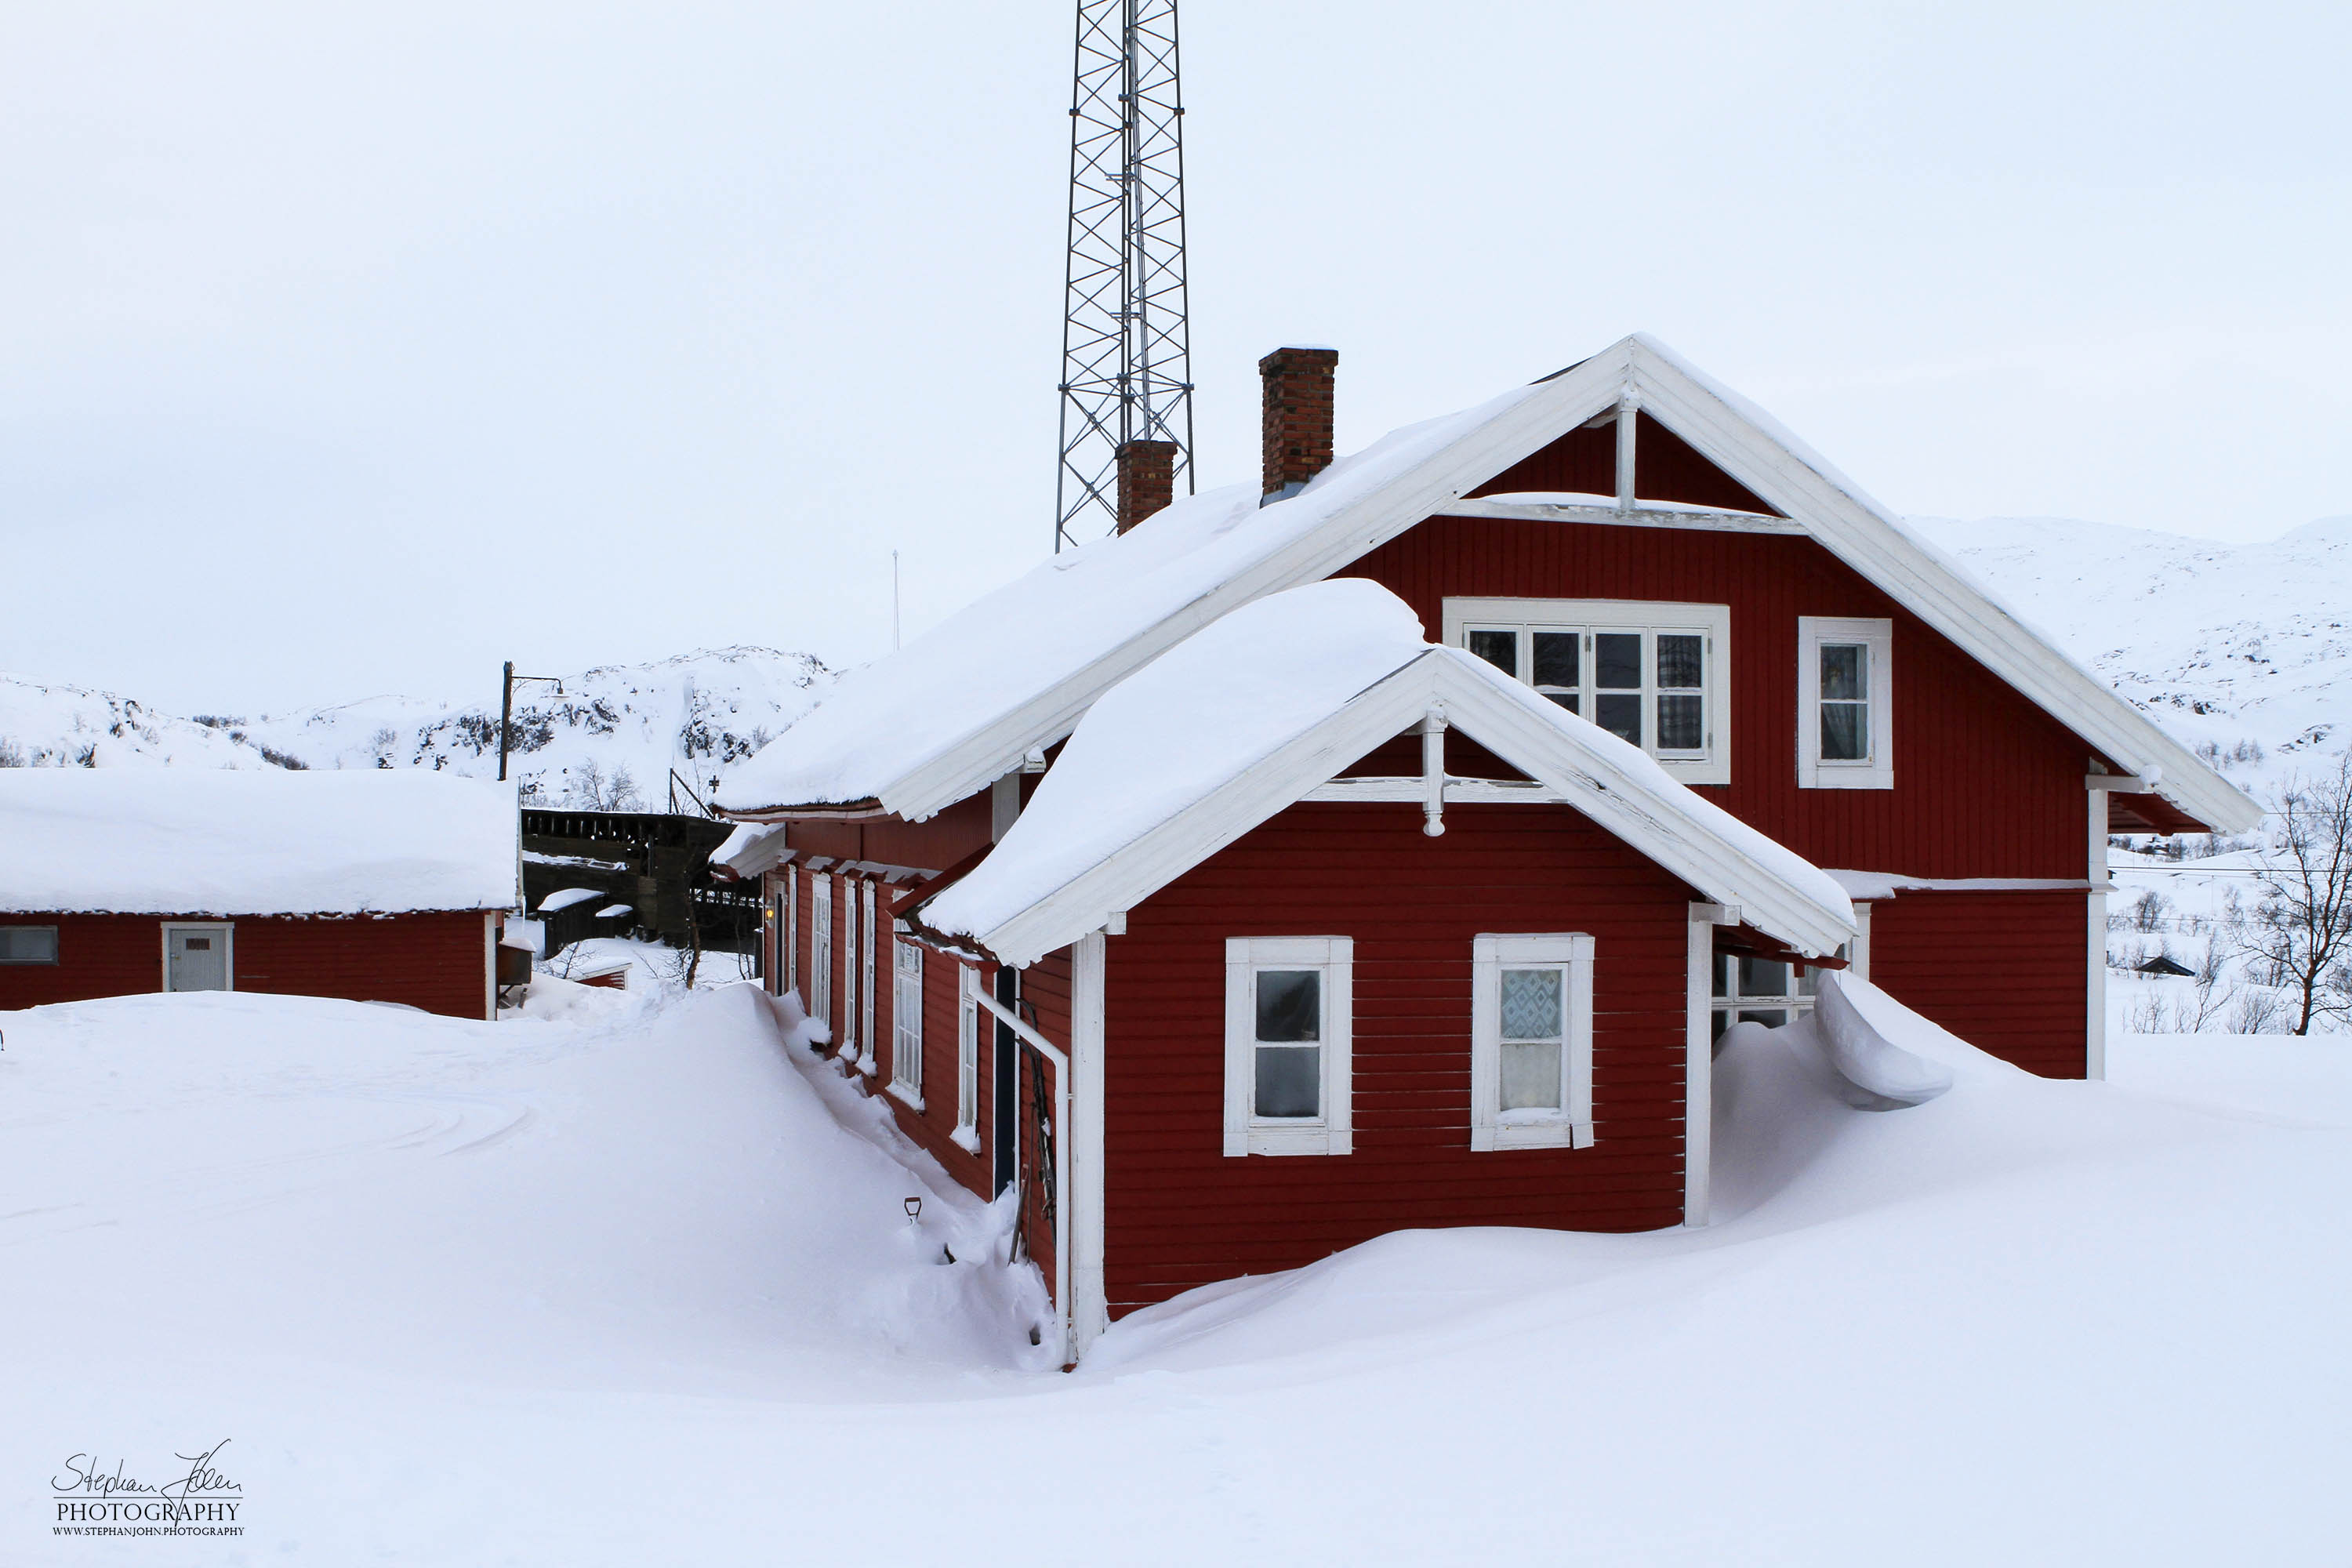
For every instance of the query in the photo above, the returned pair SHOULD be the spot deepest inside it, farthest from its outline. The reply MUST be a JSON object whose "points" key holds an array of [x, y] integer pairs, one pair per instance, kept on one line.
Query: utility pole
{"points": [[1126, 358], [506, 711]]}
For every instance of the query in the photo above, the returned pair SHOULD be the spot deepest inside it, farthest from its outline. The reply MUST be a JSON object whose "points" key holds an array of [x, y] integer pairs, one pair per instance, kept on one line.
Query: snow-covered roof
{"points": [[203, 841], [963, 705], [1248, 715]]}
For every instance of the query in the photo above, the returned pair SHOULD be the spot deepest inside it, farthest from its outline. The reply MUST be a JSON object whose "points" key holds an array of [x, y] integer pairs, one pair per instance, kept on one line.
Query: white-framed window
{"points": [[907, 1021], [820, 999], [1655, 674], [869, 937], [845, 1030], [1845, 703], [28, 944], [1289, 1024], [967, 1127], [1531, 1041], [792, 965], [1766, 991]]}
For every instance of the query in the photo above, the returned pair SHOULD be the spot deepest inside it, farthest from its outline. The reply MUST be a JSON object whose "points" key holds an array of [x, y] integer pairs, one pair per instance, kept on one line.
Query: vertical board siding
{"points": [[1180, 1213], [2005, 971], [435, 960]]}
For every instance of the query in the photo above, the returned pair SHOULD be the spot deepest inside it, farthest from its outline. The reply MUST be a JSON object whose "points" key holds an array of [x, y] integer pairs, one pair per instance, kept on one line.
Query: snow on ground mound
{"points": [[641, 1289]]}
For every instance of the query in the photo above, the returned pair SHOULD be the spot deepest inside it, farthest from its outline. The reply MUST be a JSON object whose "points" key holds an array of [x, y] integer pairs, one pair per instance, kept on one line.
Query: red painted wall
{"points": [[1986, 784], [2009, 972], [437, 961], [1180, 1213], [934, 1126]]}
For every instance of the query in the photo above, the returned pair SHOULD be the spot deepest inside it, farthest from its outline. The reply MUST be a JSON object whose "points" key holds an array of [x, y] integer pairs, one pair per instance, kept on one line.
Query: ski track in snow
{"points": [[636, 1285]]}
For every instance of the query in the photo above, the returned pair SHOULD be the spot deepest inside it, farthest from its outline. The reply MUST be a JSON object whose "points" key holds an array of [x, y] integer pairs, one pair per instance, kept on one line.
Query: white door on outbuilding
{"points": [[195, 958]]}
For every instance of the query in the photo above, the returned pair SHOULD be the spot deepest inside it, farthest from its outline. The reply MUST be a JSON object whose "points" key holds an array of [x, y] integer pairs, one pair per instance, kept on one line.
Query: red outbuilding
{"points": [[1241, 913], [378, 886]]}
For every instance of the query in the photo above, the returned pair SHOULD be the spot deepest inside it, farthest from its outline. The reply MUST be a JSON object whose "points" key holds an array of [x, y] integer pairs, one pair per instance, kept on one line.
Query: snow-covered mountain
{"points": [[609, 738], [2244, 651]]}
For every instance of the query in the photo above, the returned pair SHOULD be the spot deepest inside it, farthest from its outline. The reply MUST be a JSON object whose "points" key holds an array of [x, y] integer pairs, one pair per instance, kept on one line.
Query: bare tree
{"points": [[2302, 927]]}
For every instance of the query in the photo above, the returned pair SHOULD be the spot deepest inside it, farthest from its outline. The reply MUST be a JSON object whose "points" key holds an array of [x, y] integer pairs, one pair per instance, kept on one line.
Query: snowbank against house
{"points": [[203, 841]]}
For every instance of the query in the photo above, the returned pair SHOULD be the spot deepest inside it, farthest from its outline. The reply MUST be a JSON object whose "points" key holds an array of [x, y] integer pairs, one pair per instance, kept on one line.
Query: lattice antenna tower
{"points": [[1126, 360]]}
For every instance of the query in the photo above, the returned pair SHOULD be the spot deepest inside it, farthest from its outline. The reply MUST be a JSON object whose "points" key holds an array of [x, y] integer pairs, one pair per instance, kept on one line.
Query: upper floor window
{"points": [[1651, 673], [1846, 689]]}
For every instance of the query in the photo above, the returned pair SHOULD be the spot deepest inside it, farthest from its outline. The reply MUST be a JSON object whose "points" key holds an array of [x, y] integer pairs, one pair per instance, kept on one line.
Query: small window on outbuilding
{"points": [[28, 944]]}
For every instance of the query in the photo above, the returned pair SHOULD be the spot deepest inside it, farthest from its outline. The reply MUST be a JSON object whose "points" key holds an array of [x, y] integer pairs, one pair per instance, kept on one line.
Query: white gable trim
{"points": [[1624, 796], [1818, 499]]}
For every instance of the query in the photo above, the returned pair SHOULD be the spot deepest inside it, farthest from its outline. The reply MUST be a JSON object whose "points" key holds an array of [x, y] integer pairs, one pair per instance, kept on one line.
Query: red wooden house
{"points": [[373, 885], [1125, 879]]}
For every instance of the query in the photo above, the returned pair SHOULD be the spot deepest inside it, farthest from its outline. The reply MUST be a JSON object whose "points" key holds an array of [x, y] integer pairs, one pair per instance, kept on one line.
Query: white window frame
{"points": [[820, 998], [907, 1021], [57, 948], [869, 938], [791, 965], [1877, 770], [1333, 1132], [1492, 1127], [225, 930], [967, 1127], [1711, 764], [845, 940], [1726, 1002]]}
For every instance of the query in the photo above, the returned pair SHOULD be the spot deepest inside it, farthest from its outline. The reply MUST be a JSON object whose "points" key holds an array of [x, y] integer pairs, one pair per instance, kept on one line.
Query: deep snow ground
{"points": [[630, 1286]]}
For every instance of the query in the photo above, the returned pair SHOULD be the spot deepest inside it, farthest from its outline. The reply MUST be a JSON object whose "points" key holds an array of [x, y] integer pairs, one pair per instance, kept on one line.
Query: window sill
{"points": [[1836, 775], [1280, 1141], [965, 1139], [1531, 1135], [912, 1099]]}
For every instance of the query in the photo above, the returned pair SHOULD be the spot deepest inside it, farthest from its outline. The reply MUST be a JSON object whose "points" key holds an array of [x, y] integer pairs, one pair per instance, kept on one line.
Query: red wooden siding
{"points": [[1180, 1213], [1665, 467], [2009, 972], [934, 1126], [438, 961], [1986, 784]]}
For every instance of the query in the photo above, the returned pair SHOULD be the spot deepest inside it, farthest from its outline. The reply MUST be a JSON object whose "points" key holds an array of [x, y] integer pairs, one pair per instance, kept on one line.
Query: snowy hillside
{"points": [[609, 738], [2245, 649], [69, 726]]}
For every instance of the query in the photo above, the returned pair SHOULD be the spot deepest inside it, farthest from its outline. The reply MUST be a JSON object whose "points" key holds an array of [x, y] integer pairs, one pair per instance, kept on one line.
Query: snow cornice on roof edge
{"points": [[1619, 787]]}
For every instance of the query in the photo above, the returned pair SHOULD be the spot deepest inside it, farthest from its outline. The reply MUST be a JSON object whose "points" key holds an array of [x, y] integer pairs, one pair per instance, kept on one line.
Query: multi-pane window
{"points": [[28, 944], [1288, 1031], [1651, 674], [906, 1020], [967, 1127], [847, 1033], [1531, 1041], [870, 939], [1766, 991], [1845, 701], [820, 1002], [1846, 690]]}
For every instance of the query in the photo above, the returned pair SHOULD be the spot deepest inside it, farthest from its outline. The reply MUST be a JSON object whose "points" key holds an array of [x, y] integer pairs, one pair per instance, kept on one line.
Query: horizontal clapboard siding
{"points": [[436, 960], [2006, 971], [1180, 1213]]}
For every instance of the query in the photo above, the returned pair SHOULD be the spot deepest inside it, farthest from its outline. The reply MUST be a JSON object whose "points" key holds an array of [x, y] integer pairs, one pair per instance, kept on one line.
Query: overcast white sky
{"points": [[354, 348]]}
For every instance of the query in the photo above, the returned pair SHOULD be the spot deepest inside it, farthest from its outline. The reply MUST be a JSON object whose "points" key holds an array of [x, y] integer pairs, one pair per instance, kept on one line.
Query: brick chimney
{"points": [[1147, 479], [1297, 404]]}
